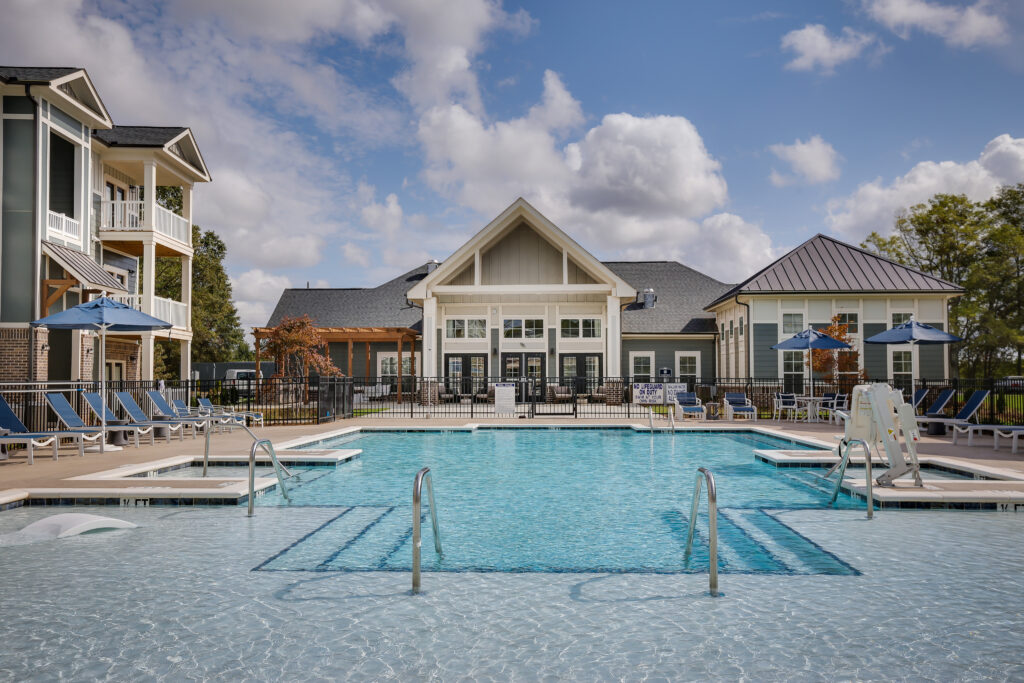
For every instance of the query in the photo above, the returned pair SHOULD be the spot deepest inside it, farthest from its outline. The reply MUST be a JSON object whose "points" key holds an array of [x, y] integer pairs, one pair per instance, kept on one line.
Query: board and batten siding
{"points": [[875, 360], [523, 257], [18, 220]]}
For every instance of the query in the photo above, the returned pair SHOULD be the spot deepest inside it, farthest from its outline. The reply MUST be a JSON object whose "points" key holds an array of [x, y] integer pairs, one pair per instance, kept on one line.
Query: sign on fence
{"points": [[648, 393], [505, 398], [672, 389]]}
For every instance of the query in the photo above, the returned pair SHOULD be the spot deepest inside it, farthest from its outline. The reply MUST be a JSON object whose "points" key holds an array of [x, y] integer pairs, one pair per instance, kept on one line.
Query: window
{"points": [[792, 323], [570, 328], [687, 364], [900, 318], [741, 326], [723, 330], [902, 370], [533, 328], [731, 329], [574, 328], [456, 329], [793, 372], [592, 366], [850, 320], [513, 329], [642, 364], [591, 328], [389, 364], [466, 329]]}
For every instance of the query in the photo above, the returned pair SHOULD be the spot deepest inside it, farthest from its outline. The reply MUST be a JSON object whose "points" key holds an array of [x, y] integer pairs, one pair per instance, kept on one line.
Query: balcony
{"points": [[63, 227], [174, 312], [129, 216]]}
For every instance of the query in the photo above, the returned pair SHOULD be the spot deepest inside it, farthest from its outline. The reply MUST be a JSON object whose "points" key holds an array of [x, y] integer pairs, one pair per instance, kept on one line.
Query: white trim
{"points": [[381, 355], [642, 354], [681, 354]]}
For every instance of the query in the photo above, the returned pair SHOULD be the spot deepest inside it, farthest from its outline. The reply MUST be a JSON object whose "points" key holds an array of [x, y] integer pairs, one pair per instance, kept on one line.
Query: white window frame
{"points": [[382, 355], [465, 327], [909, 314], [801, 328], [687, 354], [641, 354], [579, 326]]}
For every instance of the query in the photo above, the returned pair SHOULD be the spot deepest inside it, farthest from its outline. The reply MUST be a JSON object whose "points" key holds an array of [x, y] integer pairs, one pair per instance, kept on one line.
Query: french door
{"points": [[582, 370], [521, 368], [466, 373]]}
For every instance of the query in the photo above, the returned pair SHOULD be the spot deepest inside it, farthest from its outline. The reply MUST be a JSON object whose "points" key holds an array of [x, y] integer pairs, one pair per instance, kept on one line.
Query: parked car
{"points": [[241, 382], [1012, 383]]}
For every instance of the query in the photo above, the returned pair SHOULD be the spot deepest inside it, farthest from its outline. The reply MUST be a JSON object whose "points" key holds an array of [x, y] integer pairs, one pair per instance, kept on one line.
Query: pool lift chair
{"points": [[878, 413]]}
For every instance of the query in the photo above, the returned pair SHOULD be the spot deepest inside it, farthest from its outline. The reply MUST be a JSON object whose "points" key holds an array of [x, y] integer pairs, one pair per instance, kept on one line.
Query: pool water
{"points": [[558, 501]]}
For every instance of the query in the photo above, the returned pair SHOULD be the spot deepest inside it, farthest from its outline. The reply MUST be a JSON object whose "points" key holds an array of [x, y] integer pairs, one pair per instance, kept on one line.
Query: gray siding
{"points": [[766, 360], [931, 357], [875, 355], [129, 263], [521, 257], [665, 353], [16, 286], [338, 352]]}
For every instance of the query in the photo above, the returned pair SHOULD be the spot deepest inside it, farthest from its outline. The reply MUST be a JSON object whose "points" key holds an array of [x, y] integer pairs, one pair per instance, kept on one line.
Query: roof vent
{"points": [[432, 265], [646, 298]]}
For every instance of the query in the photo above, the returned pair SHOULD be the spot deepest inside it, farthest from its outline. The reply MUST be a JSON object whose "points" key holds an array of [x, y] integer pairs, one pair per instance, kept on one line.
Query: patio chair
{"points": [[19, 434], [138, 416], [560, 394], [736, 404], [487, 396], [92, 399], [67, 415], [785, 403], [1011, 432], [836, 406], [207, 407], [599, 395], [937, 406], [167, 410], [966, 413], [688, 405]]}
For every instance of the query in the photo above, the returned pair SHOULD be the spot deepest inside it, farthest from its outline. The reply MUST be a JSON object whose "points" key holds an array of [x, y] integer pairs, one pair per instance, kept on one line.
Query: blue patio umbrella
{"points": [[913, 333], [808, 339], [104, 315]]}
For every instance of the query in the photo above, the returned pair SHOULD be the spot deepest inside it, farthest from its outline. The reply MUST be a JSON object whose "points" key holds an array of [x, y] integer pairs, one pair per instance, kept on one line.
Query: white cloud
{"points": [[960, 26], [383, 218], [256, 293], [355, 254], [816, 49], [814, 161], [874, 205]]}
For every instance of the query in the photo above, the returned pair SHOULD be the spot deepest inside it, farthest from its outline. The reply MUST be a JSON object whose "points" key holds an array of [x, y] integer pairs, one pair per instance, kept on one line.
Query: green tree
{"points": [[216, 330], [1005, 258]]}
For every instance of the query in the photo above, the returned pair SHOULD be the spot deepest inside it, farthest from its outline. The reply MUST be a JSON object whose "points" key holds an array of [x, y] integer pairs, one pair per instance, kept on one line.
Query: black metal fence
{"points": [[295, 401]]}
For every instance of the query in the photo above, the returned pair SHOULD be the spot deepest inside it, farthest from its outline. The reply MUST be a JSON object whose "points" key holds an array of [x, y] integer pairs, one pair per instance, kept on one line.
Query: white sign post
{"points": [[505, 398]]}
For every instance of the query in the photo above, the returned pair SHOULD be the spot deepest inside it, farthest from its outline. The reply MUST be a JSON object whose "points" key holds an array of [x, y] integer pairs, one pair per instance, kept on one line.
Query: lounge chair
{"points": [[1012, 433], [19, 434], [737, 404], [939, 404], [92, 399], [167, 410], [966, 413], [67, 414], [206, 406], [688, 405], [919, 397], [138, 416]]}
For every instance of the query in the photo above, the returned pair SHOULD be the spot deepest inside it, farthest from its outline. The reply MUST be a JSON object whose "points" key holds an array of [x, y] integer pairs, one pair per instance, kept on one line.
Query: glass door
{"points": [[465, 374]]}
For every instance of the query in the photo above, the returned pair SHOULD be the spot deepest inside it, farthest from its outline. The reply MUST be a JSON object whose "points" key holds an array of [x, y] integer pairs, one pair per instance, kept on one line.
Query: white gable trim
{"points": [[521, 209]]}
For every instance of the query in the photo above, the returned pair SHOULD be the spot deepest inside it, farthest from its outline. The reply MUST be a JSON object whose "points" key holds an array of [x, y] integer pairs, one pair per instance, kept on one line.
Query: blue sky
{"points": [[350, 140]]}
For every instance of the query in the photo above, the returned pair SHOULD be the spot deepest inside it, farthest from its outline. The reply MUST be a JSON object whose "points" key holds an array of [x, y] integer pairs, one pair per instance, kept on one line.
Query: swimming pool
{"points": [[534, 500]]}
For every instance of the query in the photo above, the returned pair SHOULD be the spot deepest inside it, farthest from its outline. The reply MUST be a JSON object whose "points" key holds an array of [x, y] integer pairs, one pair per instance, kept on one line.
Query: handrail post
{"points": [[267, 446], [703, 474], [417, 495]]}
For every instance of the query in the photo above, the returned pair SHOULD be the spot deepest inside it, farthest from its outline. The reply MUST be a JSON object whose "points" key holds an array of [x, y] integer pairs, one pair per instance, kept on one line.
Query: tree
{"points": [[216, 330], [1005, 255], [831, 365], [297, 347]]}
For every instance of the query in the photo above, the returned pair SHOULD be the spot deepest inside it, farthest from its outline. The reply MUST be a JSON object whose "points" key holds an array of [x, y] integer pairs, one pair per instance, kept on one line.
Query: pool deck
{"points": [[120, 477]]}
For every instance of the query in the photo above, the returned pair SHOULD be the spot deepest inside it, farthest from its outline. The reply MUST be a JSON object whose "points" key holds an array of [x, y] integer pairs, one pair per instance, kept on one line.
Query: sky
{"points": [[352, 140]]}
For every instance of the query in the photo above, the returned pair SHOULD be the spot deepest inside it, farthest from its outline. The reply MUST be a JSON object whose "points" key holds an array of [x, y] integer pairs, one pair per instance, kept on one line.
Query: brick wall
{"points": [[127, 351], [88, 361], [16, 345]]}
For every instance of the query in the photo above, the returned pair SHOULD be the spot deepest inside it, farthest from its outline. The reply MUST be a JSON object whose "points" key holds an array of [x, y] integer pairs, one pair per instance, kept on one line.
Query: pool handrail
{"points": [[704, 474], [417, 496], [841, 467], [268, 446]]}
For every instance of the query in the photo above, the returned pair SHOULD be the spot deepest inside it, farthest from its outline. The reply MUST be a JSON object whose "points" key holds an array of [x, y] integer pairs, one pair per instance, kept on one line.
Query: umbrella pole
{"points": [[103, 386]]}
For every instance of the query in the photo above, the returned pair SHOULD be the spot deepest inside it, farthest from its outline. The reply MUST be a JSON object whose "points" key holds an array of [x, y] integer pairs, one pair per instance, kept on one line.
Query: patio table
{"points": [[813, 406]]}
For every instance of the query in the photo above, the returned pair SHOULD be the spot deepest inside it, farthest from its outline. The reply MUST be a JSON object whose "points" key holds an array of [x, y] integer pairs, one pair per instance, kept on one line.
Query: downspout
{"points": [[750, 339], [36, 254]]}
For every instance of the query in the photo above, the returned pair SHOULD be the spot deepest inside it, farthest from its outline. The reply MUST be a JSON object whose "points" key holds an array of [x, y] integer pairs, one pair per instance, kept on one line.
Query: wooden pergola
{"points": [[361, 335]]}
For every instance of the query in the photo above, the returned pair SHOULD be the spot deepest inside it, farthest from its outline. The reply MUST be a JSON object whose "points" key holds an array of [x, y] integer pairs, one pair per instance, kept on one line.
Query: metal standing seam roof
{"points": [[83, 268], [825, 264]]}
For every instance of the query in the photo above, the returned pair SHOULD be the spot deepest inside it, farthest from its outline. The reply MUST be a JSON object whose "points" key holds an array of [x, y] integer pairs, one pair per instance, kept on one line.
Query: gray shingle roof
{"points": [[681, 291], [383, 306], [138, 136], [36, 74], [825, 264]]}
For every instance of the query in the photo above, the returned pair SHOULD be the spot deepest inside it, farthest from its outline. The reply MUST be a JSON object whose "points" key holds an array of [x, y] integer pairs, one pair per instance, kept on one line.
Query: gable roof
{"points": [[681, 292], [825, 264], [35, 74], [519, 210], [383, 306], [69, 88], [139, 136]]}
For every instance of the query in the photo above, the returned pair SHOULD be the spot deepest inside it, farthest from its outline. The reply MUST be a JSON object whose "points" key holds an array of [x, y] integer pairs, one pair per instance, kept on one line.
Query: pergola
{"points": [[361, 335]]}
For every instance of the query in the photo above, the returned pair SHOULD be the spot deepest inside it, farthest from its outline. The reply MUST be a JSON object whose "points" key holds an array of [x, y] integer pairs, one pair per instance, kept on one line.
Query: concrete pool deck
{"points": [[119, 477]]}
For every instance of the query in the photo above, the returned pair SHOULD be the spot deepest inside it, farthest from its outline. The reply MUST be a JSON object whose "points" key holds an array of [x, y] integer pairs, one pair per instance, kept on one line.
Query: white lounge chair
{"points": [[736, 405]]}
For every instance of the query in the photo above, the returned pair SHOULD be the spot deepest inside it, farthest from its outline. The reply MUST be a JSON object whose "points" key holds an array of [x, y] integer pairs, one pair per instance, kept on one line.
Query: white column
{"points": [[146, 357], [186, 288], [186, 359], [149, 186], [186, 209], [429, 360], [148, 275], [613, 336]]}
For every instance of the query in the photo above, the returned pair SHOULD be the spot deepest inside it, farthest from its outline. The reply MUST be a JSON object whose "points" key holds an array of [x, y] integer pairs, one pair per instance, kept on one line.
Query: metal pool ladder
{"points": [[279, 469], [841, 467], [704, 474], [417, 494]]}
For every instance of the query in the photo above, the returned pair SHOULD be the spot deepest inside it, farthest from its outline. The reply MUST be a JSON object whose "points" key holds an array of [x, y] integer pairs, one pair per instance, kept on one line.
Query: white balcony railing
{"points": [[129, 215], [173, 312], [64, 226], [133, 300]]}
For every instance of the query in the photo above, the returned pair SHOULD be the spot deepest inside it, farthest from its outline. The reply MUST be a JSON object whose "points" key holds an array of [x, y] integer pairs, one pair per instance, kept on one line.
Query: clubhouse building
{"points": [[523, 299]]}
